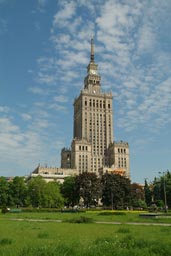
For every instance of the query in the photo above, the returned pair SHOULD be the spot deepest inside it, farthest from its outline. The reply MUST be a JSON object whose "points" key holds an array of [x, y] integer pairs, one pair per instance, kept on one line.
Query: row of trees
{"points": [[35, 192], [159, 191], [87, 190]]}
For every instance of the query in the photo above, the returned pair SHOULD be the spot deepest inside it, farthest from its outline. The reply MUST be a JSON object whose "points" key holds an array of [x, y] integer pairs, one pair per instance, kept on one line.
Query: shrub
{"points": [[45, 250], [123, 230], [5, 241], [111, 213], [4, 209], [43, 235], [81, 219]]}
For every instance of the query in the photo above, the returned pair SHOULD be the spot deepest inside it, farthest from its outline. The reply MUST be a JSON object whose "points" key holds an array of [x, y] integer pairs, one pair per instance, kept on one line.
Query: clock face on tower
{"points": [[93, 72]]}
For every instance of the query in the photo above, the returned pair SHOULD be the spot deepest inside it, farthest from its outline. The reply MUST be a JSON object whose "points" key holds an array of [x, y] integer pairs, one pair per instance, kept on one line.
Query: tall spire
{"points": [[92, 49]]}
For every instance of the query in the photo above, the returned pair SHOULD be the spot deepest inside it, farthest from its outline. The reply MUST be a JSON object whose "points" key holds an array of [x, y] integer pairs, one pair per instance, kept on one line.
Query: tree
{"points": [[137, 195], [115, 190], [168, 188], [88, 185], [18, 195], [162, 189], [70, 191], [44, 194], [4, 192], [148, 193], [52, 195], [36, 190]]}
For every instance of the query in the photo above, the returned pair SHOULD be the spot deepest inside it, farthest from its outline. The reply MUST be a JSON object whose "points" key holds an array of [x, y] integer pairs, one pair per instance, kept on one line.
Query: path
{"points": [[102, 222]]}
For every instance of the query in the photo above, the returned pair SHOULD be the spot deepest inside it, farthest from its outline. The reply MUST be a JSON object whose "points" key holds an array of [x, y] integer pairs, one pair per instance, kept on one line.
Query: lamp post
{"points": [[164, 190]]}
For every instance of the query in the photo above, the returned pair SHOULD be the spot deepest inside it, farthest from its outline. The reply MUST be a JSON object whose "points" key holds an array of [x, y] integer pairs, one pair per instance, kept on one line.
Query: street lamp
{"points": [[164, 190]]}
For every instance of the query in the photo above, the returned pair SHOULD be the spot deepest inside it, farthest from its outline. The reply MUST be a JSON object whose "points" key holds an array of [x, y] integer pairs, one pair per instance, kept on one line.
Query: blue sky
{"points": [[44, 52]]}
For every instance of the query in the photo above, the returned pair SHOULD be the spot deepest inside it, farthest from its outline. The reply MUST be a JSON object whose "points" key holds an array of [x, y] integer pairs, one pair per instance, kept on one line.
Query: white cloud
{"points": [[7, 126], [37, 90], [58, 107], [61, 98], [26, 148], [26, 117], [62, 17], [147, 39], [125, 48], [4, 109]]}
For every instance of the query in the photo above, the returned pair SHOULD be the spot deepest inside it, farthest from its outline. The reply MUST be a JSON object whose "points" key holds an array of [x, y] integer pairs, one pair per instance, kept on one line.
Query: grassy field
{"points": [[26, 238]]}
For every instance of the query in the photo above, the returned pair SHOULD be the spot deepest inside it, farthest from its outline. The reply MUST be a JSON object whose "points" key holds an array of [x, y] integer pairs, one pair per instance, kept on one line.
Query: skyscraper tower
{"points": [[93, 126]]}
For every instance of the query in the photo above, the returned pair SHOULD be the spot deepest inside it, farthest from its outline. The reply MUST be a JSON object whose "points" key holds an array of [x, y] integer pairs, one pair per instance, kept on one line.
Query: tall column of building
{"points": [[93, 148], [93, 117]]}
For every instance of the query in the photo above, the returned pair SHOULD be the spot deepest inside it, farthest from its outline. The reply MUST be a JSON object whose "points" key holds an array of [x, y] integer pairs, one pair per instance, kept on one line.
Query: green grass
{"points": [[115, 216], [24, 238]]}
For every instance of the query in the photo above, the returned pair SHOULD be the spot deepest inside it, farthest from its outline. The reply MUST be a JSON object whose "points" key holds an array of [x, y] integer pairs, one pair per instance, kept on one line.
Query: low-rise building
{"points": [[52, 173]]}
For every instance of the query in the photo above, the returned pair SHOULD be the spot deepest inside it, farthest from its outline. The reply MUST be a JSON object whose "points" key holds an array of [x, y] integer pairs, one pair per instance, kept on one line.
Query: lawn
{"points": [[25, 238], [109, 216]]}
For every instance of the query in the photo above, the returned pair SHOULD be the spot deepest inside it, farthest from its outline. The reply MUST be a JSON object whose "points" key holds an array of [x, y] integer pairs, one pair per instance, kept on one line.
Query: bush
{"points": [[31, 209], [111, 213], [5, 241], [81, 219], [4, 209], [43, 235], [123, 230], [45, 250]]}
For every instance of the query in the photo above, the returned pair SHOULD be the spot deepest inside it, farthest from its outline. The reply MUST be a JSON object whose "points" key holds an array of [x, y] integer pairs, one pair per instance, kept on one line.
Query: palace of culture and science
{"points": [[92, 148]]}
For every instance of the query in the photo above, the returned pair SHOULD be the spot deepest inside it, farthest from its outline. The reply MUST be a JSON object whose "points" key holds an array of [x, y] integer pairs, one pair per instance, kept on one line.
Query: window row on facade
{"points": [[122, 150], [122, 162], [96, 103], [83, 148]]}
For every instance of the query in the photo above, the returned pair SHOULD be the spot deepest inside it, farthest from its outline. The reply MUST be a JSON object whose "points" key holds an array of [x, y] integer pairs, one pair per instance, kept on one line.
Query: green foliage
{"points": [[4, 191], [5, 241], [44, 194], [81, 219], [52, 196], [43, 235], [41, 210], [161, 187], [18, 195], [108, 213], [138, 196], [4, 209], [70, 191], [115, 190], [147, 193], [123, 230], [36, 188], [89, 188], [45, 250], [50, 238]]}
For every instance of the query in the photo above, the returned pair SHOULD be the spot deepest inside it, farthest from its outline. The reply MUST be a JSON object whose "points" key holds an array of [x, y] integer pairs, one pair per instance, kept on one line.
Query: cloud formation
{"points": [[132, 49], [126, 40]]}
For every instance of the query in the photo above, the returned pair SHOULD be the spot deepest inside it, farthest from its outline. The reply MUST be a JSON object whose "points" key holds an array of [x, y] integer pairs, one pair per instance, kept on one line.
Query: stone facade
{"points": [[93, 147], [53, 173]]}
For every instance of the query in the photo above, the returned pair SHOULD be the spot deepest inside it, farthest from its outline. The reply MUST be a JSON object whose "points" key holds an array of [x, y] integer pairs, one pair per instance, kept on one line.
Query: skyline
{"points": [[45, 50]]}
